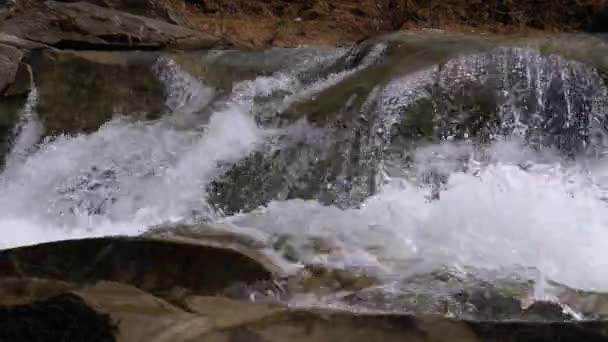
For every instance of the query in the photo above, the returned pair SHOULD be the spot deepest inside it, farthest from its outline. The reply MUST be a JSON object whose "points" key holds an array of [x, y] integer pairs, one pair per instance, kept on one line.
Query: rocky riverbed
{"points": [[302, 170], [181, 288]]}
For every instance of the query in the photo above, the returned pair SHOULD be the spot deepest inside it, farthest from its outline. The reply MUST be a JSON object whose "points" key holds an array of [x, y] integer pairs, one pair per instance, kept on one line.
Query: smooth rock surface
{"points": [[23, 81], [151, 264], [95, 86], [108, 311], [9, 64], [82, 25]]}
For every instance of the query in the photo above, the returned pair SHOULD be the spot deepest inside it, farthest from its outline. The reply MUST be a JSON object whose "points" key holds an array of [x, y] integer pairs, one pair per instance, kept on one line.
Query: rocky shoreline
{"points": [[179, 288]]}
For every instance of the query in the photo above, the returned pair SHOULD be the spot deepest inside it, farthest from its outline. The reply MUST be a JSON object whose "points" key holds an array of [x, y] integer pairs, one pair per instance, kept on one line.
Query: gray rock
{"points": [[9, 64], [82, 25], [95, 86], [22, 83], [9, 39], [159, 9]]}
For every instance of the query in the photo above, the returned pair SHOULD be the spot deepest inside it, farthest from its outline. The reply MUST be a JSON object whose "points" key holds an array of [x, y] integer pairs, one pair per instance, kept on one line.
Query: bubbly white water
{"points": [[508, 207], [549, 217], [139, 175]]}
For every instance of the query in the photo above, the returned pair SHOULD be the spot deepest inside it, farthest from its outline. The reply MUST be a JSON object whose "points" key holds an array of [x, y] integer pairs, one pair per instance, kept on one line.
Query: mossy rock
{"points": [[79, 92]]}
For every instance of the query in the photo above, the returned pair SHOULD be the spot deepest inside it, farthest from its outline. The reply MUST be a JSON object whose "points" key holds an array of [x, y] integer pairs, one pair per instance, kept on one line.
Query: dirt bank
{"points": [[338, 22], [322, 22]]}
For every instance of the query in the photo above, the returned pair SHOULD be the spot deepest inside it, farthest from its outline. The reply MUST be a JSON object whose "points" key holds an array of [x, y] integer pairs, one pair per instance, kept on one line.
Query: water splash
{"points": [[545, 99], [28, 132], [127, 175], [184, 93], [498, 215], [495, 208]]}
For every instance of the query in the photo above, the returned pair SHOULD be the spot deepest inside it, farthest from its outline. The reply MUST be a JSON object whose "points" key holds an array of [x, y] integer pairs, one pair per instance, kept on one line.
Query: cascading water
{"points": [[492, 161]]}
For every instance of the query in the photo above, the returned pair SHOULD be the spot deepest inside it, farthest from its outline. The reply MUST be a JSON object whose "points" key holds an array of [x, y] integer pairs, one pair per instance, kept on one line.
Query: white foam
{"points": [[549, 217], [121, 179], [184, 93]]}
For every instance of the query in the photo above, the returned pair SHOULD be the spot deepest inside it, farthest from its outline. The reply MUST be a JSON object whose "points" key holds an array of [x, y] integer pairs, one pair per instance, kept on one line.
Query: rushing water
{"points": [[528, 187]]}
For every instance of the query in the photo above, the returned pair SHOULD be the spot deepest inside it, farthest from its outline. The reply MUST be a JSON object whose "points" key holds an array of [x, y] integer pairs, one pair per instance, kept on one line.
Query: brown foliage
{"points": [[561, 15]]}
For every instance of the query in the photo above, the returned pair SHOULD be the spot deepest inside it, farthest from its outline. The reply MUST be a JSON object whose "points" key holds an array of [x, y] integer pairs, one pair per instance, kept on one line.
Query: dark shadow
{"points": [[600, 21], [65, 318]]}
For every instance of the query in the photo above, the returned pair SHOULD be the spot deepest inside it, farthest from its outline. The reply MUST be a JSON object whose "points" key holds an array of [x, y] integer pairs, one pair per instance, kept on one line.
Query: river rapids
{"points": [[405, 154]]}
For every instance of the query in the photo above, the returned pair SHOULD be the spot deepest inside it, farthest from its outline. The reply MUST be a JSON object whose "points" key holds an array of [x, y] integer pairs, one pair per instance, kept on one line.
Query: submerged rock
{"points": [[458, 295]]}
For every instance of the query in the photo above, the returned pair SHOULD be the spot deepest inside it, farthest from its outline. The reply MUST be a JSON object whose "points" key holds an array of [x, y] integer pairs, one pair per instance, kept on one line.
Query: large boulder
{"points": [[156, 265], [13, 79], [82, 25], [94, 87], [10, 57]]}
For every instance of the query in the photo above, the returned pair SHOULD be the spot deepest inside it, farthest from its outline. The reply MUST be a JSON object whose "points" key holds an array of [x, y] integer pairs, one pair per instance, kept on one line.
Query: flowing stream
{"points": [[391, 157]]}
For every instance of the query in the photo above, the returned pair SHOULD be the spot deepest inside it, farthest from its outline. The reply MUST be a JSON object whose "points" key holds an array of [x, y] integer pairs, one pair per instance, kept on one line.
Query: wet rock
{"points": [[331, 167], [591, 304], [16, 81], [207, 234], [218, 236], [463, 296], [23, 82], [257, 174], [320, 280], [10, 57], [473, 98], [545, 311], [9, 116], [154, 265], [489, 304], [81, 25], [121, 312], [95, 86]]}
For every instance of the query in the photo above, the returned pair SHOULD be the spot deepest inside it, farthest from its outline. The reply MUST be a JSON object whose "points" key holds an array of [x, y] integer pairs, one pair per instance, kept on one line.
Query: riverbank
{"points": [[327, 23], [315, 22]]}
